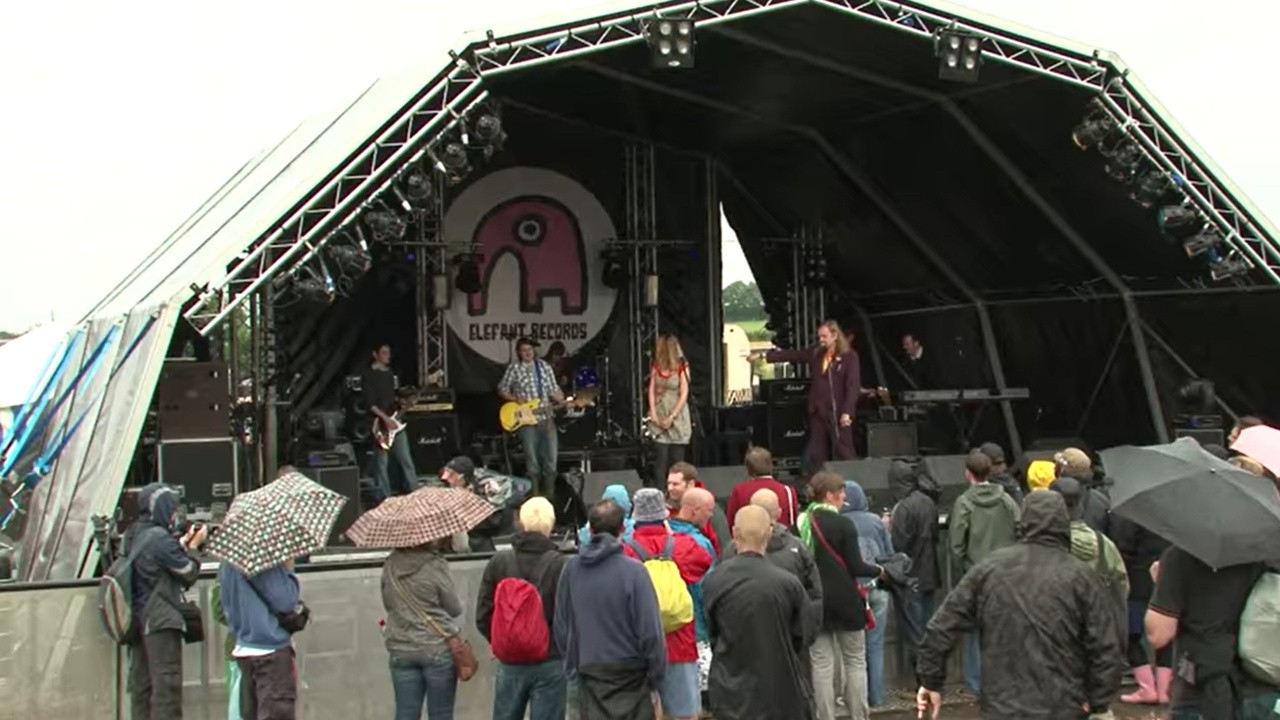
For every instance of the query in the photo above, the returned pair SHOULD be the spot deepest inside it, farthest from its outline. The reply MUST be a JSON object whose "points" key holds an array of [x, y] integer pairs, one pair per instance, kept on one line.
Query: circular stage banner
{"points": [[538, 235]]}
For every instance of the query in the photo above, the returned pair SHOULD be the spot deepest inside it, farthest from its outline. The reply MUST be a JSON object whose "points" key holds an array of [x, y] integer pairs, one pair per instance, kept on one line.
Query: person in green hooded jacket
{"points": [[984, 519]]}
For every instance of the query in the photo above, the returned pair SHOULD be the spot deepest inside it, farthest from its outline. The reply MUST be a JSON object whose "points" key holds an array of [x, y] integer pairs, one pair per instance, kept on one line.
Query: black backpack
{"points": [[115, 594]]}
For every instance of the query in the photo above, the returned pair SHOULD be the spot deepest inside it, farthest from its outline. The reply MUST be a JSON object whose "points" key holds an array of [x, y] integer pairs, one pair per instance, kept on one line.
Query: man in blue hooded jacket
{"points": [[263, 647], [875, 544]]}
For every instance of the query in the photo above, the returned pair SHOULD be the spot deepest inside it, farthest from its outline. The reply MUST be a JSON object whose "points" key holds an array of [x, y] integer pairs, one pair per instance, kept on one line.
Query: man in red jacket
{"points": [[759, 464], [680, 693]]}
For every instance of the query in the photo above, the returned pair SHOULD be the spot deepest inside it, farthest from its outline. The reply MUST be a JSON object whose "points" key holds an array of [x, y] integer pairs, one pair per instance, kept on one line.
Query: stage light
{"points": [[468, 280], [650, 299], [454, 162], [1178, 220], [349, 257], [384, 225], [959, 56], [1201, 243], [1150, 188], [1228, 267], [489, 133], [414, 187], [1123, 164], [361, 240], [671, 43], [1095, 127], [614, 272], [312, 289], [441, 294]]}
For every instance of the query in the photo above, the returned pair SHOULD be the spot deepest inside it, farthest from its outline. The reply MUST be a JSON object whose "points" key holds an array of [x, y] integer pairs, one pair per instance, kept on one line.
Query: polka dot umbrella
{"points": [[290, 517]]}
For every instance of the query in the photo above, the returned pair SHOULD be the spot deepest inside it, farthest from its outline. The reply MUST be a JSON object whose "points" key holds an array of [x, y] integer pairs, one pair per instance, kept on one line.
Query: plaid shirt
{"points": [[521, 380]]}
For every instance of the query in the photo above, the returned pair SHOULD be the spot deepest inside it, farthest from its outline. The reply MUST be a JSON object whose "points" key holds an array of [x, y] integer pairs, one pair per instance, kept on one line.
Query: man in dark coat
{"points": [[1049, 642], [833, 395], [913, 528], [757, 621]]}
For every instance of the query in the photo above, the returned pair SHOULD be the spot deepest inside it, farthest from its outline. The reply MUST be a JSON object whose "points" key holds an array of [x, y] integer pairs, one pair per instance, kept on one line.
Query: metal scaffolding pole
{"points": [[641, 246], [715, 279], [432, 260], [267, 434]]}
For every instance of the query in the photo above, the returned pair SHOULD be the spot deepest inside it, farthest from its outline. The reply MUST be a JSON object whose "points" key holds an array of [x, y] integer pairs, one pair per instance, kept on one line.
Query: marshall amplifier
{"points": [[786, 391], [788, 429], [193, 400], [346, 482], [433, 440], [434, 400]]}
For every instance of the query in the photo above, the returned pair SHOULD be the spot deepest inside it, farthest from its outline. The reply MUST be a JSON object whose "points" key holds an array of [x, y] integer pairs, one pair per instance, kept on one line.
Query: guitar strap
{"points": [[537, 376]]}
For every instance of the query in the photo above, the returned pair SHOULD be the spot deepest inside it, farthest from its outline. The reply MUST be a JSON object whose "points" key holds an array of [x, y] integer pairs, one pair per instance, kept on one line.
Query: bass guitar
{"points": [[515, 415], [384, 433]]}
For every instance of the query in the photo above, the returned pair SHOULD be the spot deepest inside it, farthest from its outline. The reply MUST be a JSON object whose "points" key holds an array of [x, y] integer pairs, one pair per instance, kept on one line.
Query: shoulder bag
{"points": [[464, 658], [862, 590], [292, 622]]}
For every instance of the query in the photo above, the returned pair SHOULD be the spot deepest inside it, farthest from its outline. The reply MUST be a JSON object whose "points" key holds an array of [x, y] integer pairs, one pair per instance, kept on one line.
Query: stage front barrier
{"points": [[56, 663]]}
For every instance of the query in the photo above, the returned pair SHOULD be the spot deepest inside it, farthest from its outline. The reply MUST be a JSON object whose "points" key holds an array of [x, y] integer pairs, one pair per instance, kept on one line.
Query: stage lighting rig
{"points": [[349, 257], [453, 162], [1202, 242], [313, 288], [414, 188], [671, 43], [614, 272], [1150, 188], [1228, 267], [1178, 221], [385, 225], [959, 56], [489, 133], [1096, 127], [1123, 165], [468, 280]]}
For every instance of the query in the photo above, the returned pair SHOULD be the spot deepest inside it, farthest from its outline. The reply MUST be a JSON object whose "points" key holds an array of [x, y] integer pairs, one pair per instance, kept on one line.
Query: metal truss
{"points": [[640, 185], [432, 262], [811, 295], [301, 235], [1166, 152]]}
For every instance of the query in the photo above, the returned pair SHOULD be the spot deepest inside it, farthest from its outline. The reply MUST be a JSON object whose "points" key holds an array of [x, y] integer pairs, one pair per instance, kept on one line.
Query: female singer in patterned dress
{"points": [[669, 406]]}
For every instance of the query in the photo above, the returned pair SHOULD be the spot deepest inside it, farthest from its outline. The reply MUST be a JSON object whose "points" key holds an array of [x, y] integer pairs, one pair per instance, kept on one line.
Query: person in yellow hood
{"points": [[1040, 474]]}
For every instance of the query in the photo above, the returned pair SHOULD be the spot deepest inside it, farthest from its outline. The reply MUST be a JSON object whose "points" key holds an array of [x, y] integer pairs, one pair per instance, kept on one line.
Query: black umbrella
{"points": [[1210, 508]]}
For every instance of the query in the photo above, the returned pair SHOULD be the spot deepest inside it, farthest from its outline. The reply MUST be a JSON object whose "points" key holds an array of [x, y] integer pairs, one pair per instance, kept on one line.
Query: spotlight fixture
{"points": [[1123, 164], [385, 225], [349, 257], [414, 187], [441, 294], [959, 56], [1150, 188], [454, 163], [670, 43], [489, 133], [650, 299], [1095, 127], [1201, 243], [312, 289], [614, 272], [468, 280], [1228, 267], [1178, 220]]}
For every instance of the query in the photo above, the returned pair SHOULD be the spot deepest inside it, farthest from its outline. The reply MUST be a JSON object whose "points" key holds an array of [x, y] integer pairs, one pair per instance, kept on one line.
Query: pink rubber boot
{"points": [[1146, 694]]}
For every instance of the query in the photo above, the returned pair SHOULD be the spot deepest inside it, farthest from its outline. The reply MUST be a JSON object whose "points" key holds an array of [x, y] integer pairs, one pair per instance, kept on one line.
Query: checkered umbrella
{"points": [[288, 518], [426, 514]]}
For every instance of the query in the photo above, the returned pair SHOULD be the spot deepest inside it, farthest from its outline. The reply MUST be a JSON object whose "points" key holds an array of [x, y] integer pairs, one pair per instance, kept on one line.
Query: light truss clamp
{"points": [[303, 233], [1166, 152]]}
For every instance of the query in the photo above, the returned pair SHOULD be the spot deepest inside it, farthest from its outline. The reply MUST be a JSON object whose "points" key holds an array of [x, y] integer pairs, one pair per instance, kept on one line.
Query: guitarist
{"points": [[379, 390], [532, 378]]}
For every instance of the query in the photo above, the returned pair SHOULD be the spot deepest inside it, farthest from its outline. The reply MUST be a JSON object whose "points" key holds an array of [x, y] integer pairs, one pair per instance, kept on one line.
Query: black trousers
{"points": [[818, 450], [664, 456], [155, 676], [268, 686]]}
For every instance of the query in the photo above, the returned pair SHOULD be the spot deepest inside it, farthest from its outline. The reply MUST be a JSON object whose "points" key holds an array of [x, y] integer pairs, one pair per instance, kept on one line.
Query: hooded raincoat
{"points": [[914, 522], [983, 520]]}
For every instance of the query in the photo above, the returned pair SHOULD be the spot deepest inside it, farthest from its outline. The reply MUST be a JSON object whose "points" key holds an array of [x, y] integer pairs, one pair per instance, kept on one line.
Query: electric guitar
{"points": [[514, 415], [384, 433]]}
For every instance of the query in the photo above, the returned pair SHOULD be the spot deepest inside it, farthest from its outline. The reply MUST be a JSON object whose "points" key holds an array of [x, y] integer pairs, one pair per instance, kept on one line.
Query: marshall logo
{"points": [[539, 235], [793, 434]]}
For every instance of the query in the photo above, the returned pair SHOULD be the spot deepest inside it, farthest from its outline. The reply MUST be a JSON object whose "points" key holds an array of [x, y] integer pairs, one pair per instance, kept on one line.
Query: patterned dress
{"points": [[666, 393]]}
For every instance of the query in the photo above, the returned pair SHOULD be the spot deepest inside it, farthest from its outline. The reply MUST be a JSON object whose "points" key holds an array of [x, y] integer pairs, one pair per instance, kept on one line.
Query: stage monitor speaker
{"points": [[193, 400], [433, 440], [1055, 444], [872, 475], [346, 482], [948, 472], [594, 483], [892, 439], [205, 472], [1204, 436], [788, 429], [721, 479]]}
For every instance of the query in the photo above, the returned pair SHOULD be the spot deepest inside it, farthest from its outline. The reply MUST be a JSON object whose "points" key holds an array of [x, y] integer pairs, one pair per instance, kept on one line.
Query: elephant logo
{"points": [[538, 237]]}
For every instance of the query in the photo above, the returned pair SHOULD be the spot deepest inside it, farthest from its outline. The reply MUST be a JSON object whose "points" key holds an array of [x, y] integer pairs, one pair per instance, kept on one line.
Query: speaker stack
{"points": [[786, 417], [344, 480], [196, 453], [432, 430]]}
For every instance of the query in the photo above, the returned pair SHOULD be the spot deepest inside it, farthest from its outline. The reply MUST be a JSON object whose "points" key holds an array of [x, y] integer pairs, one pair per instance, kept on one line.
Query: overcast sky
{"points": [[120, 118]]}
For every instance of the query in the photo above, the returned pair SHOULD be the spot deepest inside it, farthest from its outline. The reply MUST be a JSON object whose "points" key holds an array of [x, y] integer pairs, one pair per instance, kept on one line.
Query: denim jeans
{"points": [[541, 687], [973, 663], [879, 601], [418, 680], [400, 451], [914, 615], [541, 446]]}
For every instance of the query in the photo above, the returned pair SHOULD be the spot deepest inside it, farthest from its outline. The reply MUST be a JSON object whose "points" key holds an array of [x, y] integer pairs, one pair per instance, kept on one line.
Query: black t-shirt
{"points": [[1207, 603], [379, 388]]}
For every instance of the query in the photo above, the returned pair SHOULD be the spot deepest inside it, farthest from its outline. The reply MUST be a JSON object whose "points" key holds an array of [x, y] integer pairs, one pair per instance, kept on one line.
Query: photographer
{"points": [[262, 613], [162, 569]]}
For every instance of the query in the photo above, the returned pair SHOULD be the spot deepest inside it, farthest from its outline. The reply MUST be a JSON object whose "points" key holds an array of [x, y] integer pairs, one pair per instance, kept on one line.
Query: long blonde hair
{"points": [[842, 340], [668, 356]]}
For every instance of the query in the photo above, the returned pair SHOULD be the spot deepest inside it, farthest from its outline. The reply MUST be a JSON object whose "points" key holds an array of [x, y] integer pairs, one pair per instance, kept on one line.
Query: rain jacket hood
{"points": [[986, 495], [618, 494], [601, 548], [855, 500], [1044, 520], [162, 504], [903, 479]]}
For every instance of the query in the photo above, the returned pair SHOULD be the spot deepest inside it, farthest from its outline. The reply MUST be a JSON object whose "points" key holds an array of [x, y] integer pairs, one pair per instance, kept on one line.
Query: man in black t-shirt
{"points": [[1200, 608], [379, 394]]}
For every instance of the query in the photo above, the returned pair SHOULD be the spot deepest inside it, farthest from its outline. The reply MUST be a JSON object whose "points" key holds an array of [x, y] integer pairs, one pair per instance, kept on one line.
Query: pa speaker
{"points": [[720, 480], [892, 439], [872, 475], [788, 429], [193, 400], [433, 440], [594, 483], [948, 472], [346, 482]]}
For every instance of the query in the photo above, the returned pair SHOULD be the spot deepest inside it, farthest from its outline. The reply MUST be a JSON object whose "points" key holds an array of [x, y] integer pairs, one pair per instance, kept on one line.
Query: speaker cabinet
{"points": [[872, 475], [788, 429], [948, 472], [433, 440], [205, 472], [594, 483], [720, 480], [193, 400], [1204, 436], [344, 480], [892, 439]]}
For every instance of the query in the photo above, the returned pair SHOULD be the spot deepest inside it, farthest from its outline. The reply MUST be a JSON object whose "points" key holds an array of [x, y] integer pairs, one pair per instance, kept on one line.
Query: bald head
{"points": [[752, 528], [696, 506], [767, 499]]}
